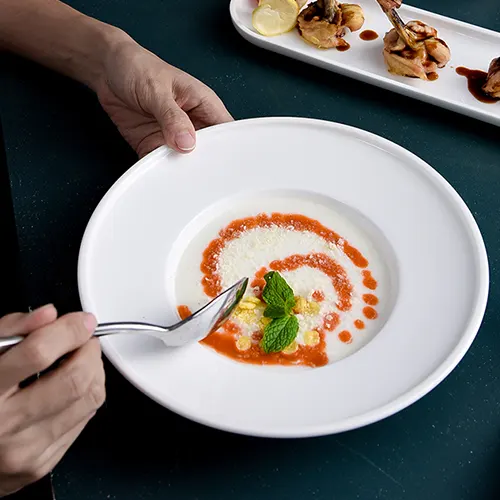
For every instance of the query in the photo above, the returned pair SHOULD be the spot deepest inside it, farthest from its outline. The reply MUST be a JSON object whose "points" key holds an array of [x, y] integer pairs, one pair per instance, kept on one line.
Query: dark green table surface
{"points": [[62, 154]]}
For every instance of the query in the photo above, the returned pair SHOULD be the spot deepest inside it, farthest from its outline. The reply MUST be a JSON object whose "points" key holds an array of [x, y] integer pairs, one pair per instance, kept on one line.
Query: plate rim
{"points": [[442, 371]]}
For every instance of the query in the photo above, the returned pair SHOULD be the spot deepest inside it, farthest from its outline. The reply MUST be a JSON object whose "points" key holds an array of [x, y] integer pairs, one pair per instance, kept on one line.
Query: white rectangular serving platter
{"points": [[471, 46]]}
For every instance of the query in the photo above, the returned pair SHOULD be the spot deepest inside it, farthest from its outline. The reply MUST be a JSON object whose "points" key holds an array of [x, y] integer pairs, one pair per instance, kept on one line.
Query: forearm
{"points": [[55, 35]]}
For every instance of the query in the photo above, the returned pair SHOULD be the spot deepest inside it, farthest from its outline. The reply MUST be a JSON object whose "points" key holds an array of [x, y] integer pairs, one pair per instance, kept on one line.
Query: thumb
{"points": [[177, 129]]}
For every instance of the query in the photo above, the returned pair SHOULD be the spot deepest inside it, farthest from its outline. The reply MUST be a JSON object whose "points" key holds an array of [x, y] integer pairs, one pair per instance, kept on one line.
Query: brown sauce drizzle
{"points": [[475, 81], [368, 35], [343, 47]]}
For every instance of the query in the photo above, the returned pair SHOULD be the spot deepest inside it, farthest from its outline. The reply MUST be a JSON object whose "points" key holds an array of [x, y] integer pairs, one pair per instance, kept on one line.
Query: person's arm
{"points": [[151, 102], [57, 36]]}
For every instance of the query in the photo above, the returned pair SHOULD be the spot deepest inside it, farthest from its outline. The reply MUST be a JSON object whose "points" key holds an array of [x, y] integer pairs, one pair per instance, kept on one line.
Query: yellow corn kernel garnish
{"points": [[312, 308], [245, 304], [253, 300], [300, 305], [311, 338], [246, 316], [244, 343], [291, 348], [303, 306]]}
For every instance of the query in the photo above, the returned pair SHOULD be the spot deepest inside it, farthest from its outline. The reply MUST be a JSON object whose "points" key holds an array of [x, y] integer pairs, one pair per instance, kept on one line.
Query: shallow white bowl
{"points": [[433, 249]]}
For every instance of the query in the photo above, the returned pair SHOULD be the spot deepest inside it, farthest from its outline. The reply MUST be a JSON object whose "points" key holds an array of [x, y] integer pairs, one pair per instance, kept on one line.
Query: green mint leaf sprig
{"points": [[280, 301], [280, 333]]}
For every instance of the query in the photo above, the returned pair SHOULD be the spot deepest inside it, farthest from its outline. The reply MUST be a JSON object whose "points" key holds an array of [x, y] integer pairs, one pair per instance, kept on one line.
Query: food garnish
{"points": [[283, 328], [275, 17]]}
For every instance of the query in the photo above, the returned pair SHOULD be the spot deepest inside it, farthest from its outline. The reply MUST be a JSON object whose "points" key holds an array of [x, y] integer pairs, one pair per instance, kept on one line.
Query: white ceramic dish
{"points": [[471, 46], [437, 280]]}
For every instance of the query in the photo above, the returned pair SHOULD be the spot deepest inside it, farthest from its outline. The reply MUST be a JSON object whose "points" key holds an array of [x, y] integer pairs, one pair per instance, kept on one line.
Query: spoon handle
{"points": [[102, 330], [7, 342]]}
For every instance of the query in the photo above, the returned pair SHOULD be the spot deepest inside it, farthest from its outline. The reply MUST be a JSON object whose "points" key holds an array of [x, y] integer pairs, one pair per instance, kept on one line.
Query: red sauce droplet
{"points": [[331, 321], [318, 296], [359, 324], [343, 47], [369, 281], [370, 299], [223, 343], [370, 313], [345, 336], [211, 280], [325, 264], [368, 35], [475, 81], [432, 76], [184, 311], [259, 281], [230, 327]]}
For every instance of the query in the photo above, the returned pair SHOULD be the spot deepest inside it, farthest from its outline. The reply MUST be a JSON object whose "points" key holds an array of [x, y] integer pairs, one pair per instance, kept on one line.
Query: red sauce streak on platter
{"points": [[313, 356], [211, 280], [327, 265]]}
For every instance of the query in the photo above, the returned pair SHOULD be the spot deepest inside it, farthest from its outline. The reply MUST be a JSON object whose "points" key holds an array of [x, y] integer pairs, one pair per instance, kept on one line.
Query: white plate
{"points": [[436, 285], [471, 46]]}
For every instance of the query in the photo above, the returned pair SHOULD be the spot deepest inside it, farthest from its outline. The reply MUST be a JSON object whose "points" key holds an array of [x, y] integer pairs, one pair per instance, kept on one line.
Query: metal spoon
{"points": [[194, 328]]}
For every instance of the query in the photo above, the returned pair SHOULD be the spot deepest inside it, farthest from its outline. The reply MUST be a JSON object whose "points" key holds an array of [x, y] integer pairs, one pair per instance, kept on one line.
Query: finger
{"points": [[177, 129], [43, 347], [212, 110], [66, 395], [24, 323], [31, 463]]}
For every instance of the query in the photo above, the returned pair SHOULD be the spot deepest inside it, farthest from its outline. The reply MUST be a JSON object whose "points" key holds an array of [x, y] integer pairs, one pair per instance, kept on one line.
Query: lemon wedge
{"points": [[275, 17]]}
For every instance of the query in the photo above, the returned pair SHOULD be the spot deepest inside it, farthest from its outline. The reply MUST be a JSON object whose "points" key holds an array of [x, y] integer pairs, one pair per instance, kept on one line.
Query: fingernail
{"points": [[42, 308], [185, 141], [90, 322]]}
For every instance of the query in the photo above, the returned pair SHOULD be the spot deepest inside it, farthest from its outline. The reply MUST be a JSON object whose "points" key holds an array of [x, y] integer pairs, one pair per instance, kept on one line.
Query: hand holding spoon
{"points": [[192, 329]]}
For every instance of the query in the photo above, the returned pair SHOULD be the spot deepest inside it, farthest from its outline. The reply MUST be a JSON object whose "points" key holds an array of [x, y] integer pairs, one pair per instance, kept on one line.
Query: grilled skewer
{"points": [[389, 7]]}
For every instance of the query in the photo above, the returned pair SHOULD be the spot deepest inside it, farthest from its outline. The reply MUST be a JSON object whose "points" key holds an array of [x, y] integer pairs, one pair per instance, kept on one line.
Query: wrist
{"points": [[101, 40]]}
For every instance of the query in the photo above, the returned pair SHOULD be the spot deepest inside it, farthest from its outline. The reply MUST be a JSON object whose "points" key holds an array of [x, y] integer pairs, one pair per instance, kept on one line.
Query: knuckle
{"points": [[77, 381], [171, 114], [96, 394], [73, 323], [37, 354]]}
